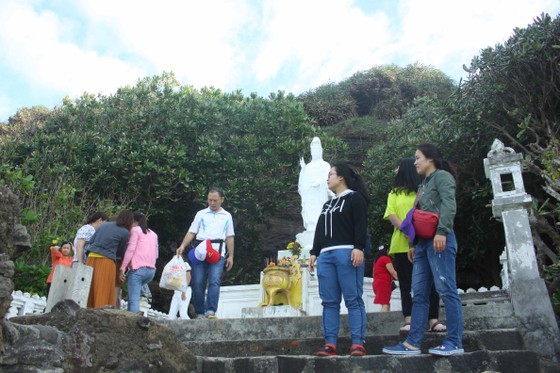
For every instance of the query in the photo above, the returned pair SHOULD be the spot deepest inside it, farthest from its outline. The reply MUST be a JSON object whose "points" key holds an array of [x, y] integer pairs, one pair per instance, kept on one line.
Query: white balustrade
{"points": [[25, 304]]}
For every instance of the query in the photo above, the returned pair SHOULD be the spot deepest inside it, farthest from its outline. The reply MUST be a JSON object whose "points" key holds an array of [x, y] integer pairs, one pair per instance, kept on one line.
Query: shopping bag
{"points": [[174, 275]]}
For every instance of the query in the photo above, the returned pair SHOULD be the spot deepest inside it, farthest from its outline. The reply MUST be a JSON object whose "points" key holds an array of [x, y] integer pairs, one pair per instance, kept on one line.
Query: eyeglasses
{"points": [[332, 174]]}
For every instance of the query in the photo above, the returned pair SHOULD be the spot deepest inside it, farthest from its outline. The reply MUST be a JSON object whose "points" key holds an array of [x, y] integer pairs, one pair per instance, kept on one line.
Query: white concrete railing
{"points": [[27, 304], [233, 299]]}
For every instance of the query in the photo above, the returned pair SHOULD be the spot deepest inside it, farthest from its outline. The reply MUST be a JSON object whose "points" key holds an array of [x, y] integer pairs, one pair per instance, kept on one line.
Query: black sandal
{"points": [[434, 328]]}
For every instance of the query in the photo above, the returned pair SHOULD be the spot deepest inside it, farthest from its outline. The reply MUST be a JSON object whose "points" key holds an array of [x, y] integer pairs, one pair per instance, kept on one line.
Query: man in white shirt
{"points": [[214, 224]]}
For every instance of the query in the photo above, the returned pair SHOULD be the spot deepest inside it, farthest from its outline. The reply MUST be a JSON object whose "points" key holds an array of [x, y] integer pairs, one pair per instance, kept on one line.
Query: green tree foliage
{"points": [[399, 108], [431, 120], [329, 104], [159, 146], [387, 91], [31, 278], [514, 90], [384, 92]]}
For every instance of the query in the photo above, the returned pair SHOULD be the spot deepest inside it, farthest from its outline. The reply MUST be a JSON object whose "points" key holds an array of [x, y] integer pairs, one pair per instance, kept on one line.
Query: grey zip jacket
{"points": [[437, 194]]}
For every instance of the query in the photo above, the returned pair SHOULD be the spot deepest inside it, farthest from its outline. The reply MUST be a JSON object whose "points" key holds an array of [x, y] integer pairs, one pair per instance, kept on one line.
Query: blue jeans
{"points": [[438, 268], [136, 279], [206, 273], [339, 278]]}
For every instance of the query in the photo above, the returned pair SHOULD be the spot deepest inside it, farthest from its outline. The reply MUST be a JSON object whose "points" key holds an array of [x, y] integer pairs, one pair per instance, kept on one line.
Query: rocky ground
{"points": [[73, 339]]}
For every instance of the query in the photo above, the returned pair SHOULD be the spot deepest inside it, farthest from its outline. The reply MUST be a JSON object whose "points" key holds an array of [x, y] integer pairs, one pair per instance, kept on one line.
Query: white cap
{"points": [[200, 251]]}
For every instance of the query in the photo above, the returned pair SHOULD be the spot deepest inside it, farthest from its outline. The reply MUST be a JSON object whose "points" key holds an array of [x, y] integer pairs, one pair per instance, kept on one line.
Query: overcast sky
{"points": [[57, 48]]}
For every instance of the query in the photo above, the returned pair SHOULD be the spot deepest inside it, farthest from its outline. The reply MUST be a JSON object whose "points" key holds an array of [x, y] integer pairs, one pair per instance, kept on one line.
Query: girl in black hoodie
{"points": [[338, 248]]}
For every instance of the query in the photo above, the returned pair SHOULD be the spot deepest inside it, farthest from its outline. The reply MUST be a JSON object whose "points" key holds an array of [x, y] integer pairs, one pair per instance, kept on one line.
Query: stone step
{"points": [[493, 340], [476, 317], [518, 361]]}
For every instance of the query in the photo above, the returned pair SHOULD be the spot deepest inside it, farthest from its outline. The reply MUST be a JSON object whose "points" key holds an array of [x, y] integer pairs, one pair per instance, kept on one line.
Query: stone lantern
{"points": [[528, 293], [503, 168]]}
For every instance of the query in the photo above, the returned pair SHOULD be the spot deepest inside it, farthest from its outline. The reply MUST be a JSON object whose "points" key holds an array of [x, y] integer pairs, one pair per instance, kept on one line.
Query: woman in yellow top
{"points": [[400, 201]]}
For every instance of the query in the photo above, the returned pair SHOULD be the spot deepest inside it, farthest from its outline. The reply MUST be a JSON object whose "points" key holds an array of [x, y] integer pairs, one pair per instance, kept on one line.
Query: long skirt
{"points": [[102, 290]]}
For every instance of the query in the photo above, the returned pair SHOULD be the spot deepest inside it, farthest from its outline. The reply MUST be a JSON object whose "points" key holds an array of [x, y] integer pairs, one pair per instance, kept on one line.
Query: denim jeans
{"points": [[202, 274], [404, 271], [137, 279], [438, 268], [339, 278]]}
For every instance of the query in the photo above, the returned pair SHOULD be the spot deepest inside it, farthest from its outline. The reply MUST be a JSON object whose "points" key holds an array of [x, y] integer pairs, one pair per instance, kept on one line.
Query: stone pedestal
{"points": [[70, 283]]}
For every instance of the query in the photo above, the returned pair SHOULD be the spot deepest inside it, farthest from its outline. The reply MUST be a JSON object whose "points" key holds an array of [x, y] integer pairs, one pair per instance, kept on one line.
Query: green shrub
{"points": [[31, 278]]}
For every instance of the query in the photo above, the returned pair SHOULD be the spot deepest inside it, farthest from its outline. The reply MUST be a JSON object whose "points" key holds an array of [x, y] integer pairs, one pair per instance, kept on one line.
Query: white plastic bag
{"points": [[174, 275]]}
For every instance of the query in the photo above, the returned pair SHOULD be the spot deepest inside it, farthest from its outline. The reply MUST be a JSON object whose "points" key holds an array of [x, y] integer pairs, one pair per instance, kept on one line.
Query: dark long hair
{"points": [[432, 152], [140, 218], [125, 219], [96, 216], [407, 178], [379, 254], [353, 180]]}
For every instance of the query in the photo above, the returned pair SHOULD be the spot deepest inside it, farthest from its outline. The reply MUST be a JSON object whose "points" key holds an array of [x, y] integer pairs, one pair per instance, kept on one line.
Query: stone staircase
{"points": [[492, 341]]}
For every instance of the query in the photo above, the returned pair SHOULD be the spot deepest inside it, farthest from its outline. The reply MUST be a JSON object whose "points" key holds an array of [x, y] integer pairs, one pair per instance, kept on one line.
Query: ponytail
{"points": [[432, 152], [353, 180], [140, 218]]}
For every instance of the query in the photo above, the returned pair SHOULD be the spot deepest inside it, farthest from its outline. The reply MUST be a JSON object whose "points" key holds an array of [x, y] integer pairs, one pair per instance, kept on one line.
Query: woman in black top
{"points": [[338, 248]]}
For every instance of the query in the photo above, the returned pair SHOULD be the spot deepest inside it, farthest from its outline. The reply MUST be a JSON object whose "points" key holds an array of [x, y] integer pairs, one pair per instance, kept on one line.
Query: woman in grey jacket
{"points": [[434, 258]]}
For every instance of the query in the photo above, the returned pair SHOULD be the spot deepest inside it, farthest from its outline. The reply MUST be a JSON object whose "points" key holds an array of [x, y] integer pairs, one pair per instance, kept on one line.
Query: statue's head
{"points": [[316, 149]]}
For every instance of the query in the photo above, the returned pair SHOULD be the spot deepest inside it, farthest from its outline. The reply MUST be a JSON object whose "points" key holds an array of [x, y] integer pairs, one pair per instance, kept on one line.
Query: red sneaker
{"points": [[357, 350], [328, 350]]}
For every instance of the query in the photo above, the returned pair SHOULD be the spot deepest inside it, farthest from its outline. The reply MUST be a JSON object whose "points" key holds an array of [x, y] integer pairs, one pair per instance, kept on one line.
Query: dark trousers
{"points": [[404, 271]]}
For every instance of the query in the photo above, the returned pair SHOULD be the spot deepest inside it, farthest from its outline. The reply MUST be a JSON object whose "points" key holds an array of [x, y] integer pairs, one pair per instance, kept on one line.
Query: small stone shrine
{"points": [[510, 204]]}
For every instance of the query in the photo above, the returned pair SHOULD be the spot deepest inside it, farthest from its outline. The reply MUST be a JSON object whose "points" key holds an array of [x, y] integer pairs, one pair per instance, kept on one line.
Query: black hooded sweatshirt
{"points": [[342, 223]]}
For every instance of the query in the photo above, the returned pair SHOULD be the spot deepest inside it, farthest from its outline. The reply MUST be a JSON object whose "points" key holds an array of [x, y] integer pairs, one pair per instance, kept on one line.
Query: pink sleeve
{"points": [[130, 249]]}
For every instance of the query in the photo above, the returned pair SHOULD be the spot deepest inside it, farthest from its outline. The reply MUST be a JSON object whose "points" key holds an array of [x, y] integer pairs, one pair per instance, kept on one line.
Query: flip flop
{"points": [[438, 327]]}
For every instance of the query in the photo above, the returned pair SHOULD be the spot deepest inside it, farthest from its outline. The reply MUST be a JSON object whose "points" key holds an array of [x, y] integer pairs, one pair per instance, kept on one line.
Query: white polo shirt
{"points": [[210, 225]]}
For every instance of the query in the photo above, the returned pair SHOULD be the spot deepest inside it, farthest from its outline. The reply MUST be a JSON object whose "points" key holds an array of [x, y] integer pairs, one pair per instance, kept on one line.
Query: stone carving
{"points": [[498, 149], [312, 185]]}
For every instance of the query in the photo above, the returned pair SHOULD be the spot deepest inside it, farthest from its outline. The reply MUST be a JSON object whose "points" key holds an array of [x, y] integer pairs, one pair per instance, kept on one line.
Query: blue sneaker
{"points": [[400, 349], [446, 349]]}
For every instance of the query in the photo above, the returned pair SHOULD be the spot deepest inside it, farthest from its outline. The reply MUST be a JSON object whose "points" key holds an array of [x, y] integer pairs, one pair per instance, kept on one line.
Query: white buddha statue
{"points": [[312, 186]]}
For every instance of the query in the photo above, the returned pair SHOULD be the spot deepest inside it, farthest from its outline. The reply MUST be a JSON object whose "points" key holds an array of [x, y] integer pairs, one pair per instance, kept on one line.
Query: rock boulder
{"points": [[74, 339]]}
